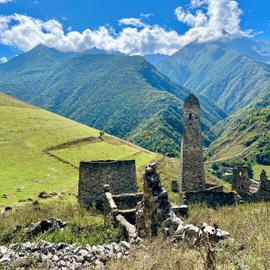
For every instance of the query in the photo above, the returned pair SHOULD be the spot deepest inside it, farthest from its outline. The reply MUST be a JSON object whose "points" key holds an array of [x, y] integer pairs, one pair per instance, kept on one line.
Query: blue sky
{"points": [[130, 26]]}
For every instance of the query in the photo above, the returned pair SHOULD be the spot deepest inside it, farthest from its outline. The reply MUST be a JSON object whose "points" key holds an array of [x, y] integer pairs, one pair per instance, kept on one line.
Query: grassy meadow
{"points": [[25, 131]]}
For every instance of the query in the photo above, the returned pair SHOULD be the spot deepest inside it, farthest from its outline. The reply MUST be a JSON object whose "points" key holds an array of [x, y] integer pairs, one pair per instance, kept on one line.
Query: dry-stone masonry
{"points": [[245, 186], [121, 209], [93, 175], [264, 189], [60, 256], [191, 175], [241, 183], [156, 213]]}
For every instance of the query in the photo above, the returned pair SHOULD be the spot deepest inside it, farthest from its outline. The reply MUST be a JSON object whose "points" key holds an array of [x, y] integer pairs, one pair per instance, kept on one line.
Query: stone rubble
{"points": [[45, 225], [61, 255]]}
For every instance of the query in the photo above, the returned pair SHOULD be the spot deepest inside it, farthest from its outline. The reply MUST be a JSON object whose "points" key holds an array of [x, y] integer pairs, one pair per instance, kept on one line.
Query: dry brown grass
{"points": [[248, 248]]}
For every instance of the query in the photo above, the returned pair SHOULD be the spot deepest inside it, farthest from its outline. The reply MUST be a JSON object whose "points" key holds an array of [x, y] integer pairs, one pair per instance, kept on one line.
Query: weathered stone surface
{"points": [[156, 213], [44, 195], [127, 200], [45, 225], [60, 255], [210, 198], [241, 183], [156, 205], [181, 210], [263, 193], [175, 186], [191, 173], [245, 186], [120, 175]]}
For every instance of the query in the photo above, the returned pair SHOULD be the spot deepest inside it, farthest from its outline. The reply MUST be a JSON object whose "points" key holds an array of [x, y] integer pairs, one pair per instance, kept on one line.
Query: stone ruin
{"points": [[93, 175], [191, 171], [248, 189], [192, 185], [155, 214]]}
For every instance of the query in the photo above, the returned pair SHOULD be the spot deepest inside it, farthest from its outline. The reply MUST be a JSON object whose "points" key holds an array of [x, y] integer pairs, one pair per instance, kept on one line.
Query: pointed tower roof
{"points": [[191, 101]]}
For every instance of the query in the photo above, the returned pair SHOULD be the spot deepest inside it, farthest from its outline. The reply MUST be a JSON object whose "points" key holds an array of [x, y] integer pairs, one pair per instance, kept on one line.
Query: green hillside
{"points": [[26, 131], [122, 95], [245, 134], [225, 76]]}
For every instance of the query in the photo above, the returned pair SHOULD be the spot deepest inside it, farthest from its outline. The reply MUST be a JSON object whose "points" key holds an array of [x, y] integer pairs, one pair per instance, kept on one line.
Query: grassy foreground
{"points": [[248, 248], [84, 227]]}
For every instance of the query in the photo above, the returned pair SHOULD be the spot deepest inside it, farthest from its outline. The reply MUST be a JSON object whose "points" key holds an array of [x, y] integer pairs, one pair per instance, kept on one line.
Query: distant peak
{"points": [[41, 46], [191, 101]]}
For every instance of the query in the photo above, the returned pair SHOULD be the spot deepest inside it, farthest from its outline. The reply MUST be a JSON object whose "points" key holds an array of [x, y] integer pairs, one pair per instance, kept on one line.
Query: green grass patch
{"points": [[257, 169], [25, 131], [84, 227]]}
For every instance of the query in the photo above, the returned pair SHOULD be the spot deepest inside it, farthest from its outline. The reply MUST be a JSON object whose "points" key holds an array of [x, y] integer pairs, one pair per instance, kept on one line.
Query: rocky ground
{"points": [[61, 255]]}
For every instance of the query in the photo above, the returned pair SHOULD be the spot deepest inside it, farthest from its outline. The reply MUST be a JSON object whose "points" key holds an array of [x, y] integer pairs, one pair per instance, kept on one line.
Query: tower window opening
{"points": [[190, 116]]}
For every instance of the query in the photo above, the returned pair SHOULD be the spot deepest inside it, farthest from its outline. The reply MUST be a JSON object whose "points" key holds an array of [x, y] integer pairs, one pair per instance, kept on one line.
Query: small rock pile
{"points": [[45, 225], [61, 255]]}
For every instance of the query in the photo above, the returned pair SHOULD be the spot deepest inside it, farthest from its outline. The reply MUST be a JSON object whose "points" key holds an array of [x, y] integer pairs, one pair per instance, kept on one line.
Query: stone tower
{"points": [[191, 173]]}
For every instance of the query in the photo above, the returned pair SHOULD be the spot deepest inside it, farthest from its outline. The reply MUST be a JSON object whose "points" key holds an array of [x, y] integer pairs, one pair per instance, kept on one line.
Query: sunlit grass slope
{"points": [[25, 131]]}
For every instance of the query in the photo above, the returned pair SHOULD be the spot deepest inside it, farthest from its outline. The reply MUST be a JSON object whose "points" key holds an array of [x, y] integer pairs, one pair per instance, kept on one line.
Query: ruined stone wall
{"points": [[263, 193], [212, 198], [241, 183], [191, 173], [128, 201], [93, 175]]}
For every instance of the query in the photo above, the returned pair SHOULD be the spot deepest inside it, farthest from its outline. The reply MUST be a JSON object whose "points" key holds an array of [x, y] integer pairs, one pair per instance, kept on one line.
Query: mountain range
{"points": [[123, 95], [245, 134], [131, 98], [220, 72]]}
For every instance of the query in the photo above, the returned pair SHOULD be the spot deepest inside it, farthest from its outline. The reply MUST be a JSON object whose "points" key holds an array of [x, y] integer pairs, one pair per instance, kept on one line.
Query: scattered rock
{"points": [[19, 188], [44, 195], [45, 225], [60, 255], [5, 196], [8, 209]]}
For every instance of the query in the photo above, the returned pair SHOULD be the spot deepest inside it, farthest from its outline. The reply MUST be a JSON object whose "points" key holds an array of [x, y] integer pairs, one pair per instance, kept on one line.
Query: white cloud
{"points": [[3, 59], [207, 20], [5, 1], [132, 21], [211, 20], [25, 32], [146, 15]]}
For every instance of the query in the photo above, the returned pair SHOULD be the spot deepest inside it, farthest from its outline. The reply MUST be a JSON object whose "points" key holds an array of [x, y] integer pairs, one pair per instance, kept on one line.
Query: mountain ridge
{"points": [[114, 93], [223, 75]]}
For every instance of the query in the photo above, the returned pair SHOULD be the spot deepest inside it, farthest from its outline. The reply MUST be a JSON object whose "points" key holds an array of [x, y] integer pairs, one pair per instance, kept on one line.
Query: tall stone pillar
{"points": [[191, 173]]}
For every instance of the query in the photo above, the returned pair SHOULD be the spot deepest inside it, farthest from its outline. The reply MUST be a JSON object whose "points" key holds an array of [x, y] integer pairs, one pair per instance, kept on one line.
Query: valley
{"points": [[134, 135], [122, 95]]}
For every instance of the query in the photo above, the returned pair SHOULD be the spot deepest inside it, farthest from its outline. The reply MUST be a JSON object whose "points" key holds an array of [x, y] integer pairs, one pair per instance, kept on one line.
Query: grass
{"points": [[257, 169], [26, 130], [248, 248], [84, 227]]}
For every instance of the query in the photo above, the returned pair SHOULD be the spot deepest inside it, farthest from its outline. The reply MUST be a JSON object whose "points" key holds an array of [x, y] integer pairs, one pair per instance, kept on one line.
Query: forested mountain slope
{"points": [[122, 95]]}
